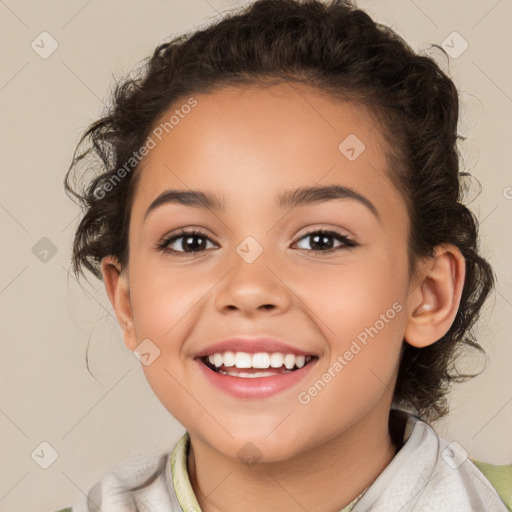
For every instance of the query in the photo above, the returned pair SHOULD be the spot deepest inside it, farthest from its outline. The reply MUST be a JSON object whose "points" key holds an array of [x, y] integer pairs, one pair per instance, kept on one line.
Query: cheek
{"points": [[362, 317], [349, 297], [167, 381], [162, 297], [363, 323]]}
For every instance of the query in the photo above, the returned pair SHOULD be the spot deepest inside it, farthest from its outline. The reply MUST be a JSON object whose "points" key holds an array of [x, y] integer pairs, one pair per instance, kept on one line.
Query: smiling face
{"points": [[260, 267]]}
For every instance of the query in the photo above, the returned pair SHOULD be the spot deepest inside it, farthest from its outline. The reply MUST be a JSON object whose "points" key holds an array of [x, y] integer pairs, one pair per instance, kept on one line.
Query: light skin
{"points": [[248, 145]]}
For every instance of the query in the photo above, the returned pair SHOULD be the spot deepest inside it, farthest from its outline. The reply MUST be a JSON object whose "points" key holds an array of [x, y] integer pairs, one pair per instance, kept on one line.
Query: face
{"points": [[260, 267]]}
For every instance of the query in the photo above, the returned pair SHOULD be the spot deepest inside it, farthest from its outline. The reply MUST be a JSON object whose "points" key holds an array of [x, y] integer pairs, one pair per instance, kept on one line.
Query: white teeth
{"points": [[229, 359], [289, 361], [242, 360], [276, 360], [259, 360], [247, 375], [300, 361]]}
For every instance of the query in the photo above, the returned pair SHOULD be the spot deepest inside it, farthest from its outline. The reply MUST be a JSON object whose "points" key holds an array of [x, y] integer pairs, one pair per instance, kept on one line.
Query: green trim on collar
{"points": [[181, 481]]}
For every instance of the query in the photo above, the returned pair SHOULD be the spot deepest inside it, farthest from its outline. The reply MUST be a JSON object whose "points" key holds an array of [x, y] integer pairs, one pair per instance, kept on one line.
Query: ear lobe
{"points": [[435, 301], [116, 284]]}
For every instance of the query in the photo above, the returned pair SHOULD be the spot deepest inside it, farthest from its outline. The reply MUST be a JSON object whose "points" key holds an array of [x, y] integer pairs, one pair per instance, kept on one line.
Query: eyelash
{"points": [[163, 245]]}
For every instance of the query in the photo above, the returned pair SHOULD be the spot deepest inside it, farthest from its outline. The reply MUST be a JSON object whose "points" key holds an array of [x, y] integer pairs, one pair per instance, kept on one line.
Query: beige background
{"points": [[47, 319]]}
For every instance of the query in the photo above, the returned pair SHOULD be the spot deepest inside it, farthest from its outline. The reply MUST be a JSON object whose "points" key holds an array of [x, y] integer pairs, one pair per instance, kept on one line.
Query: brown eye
{"points": [[323, 241], [189, 242]]}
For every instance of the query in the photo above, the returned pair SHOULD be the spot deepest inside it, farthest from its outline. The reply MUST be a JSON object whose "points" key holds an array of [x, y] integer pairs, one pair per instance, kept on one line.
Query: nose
{"points": [[251, 288]]}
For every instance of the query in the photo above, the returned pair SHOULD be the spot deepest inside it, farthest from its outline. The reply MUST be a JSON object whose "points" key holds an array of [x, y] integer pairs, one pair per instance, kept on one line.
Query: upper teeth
{"points": [[257, 360]]}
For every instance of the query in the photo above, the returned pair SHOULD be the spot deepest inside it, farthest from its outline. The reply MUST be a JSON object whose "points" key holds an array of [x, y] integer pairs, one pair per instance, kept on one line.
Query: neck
{"points": [[333, 473]]}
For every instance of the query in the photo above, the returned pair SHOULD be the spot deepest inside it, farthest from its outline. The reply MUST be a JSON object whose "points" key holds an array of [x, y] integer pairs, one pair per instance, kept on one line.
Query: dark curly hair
{"points": [[340, 50]]}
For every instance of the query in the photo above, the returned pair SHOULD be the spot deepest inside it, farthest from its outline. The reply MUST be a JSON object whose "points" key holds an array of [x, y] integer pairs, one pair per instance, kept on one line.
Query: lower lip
{"points": [[257, 387]]}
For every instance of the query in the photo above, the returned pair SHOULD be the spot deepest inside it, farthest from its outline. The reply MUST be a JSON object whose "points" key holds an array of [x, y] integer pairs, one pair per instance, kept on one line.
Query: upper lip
{"points": [[252, 345]]}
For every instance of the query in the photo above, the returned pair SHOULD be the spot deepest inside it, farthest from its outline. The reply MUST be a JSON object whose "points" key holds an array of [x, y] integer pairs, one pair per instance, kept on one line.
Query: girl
{"points": [[279, 227]]}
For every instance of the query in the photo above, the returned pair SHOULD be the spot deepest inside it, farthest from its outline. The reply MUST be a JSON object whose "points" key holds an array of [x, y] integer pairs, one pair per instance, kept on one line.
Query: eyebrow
{"points": [[288, 199]]}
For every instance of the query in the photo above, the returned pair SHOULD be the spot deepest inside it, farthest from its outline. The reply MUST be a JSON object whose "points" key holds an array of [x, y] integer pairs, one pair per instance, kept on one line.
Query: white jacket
{"points": [[428, 474]]}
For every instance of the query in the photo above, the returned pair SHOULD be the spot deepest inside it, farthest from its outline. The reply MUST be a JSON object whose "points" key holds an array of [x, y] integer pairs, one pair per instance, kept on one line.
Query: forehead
{"points": [[246, 143]]}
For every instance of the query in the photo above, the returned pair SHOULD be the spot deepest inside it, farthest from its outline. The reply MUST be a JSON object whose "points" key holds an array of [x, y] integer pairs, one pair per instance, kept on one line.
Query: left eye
{"points": [[320, 240]]}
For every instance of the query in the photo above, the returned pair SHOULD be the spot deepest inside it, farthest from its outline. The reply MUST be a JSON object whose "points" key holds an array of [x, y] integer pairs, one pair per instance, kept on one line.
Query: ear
{"points": [[116, 283], [434, 302]]}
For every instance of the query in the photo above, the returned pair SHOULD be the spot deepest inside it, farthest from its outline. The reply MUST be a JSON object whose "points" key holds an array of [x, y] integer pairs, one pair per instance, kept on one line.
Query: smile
{"points": [[229, 363], [257, 375]]}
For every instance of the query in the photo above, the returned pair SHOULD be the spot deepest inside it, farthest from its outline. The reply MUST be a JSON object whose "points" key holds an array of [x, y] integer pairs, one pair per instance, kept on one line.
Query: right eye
{"points": [[189, 242]]}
